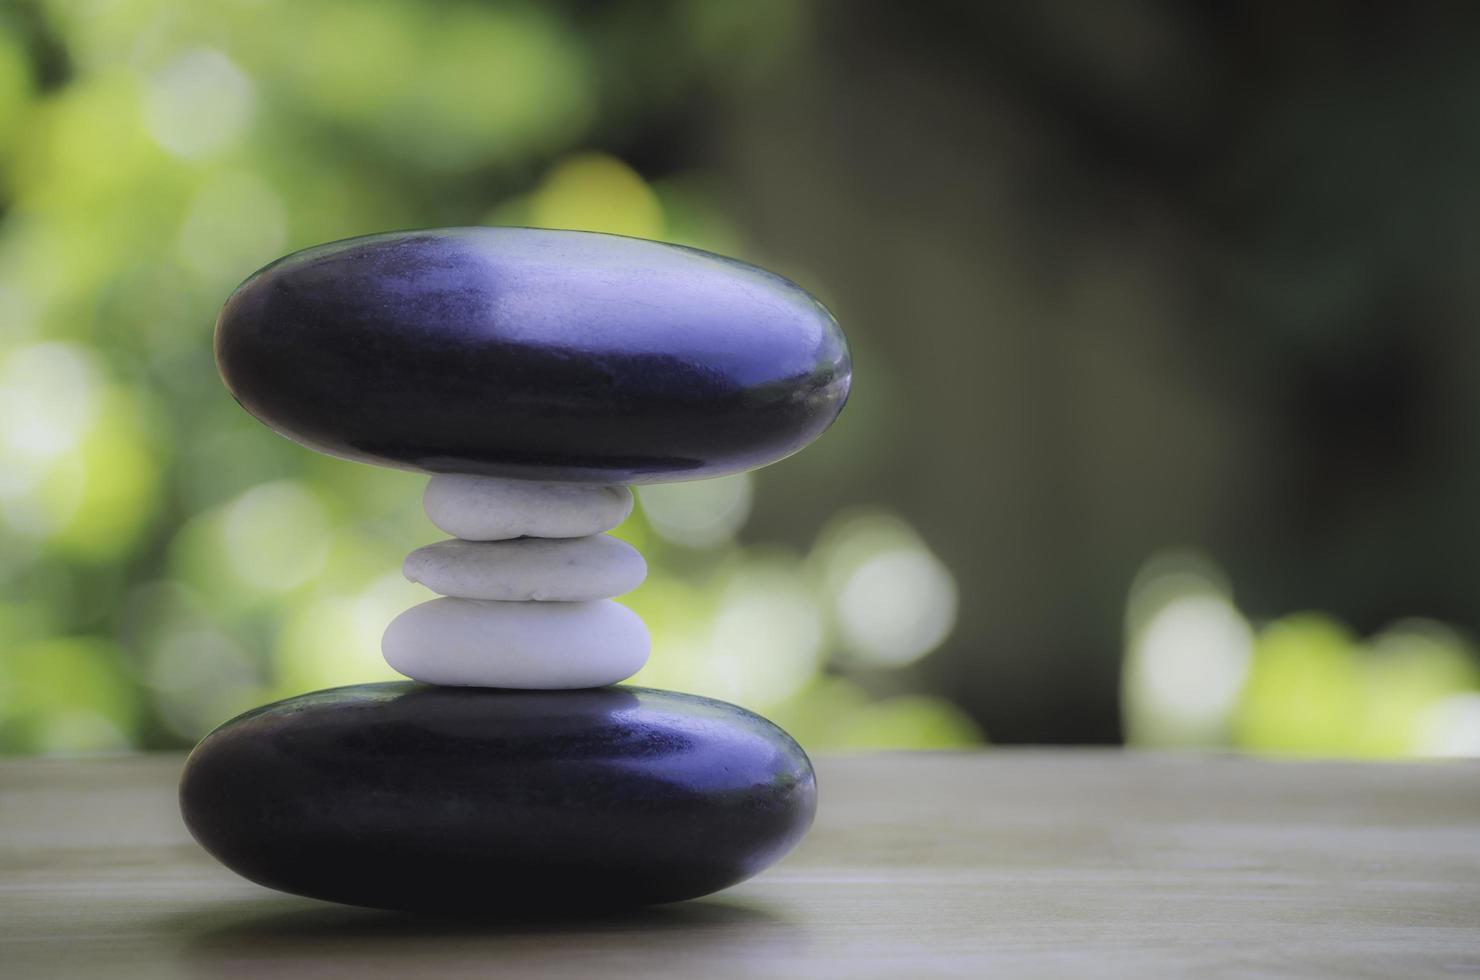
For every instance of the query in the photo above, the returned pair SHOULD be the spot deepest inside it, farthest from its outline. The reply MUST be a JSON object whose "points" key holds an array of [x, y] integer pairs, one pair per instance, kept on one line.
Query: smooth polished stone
{"points": [[530, 353], [475, 801], [528, 569], [528, 645], [482, 508]]}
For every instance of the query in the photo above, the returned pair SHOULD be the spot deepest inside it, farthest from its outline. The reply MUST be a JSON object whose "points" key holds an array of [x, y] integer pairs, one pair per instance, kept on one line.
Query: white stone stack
{"points": [[527, 581]]}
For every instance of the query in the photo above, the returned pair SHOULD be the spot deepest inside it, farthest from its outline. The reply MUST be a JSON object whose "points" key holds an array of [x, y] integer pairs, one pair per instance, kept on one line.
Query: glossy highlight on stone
{"points": [[471, 801], [534, 354]]}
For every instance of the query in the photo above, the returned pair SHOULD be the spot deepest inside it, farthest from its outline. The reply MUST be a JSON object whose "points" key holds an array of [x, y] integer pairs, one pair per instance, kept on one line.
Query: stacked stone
{"points": [[534, 374], [528, 582]]}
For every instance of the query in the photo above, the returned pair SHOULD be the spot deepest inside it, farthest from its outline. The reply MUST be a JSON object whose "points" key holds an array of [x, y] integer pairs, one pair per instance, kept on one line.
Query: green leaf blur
{"points": [[166, 561]]}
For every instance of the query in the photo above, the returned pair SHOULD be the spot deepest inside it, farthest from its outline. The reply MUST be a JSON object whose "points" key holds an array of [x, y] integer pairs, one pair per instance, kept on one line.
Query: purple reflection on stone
{"points": [[418, 797], [537, 354]]}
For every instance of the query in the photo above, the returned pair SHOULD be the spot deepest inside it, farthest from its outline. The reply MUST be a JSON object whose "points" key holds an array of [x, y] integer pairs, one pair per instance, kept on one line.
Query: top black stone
{"points": [[526, 353]]}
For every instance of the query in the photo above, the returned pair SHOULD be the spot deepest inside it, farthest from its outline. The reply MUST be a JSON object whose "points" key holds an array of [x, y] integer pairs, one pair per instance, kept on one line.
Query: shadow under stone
{"points": [[231, 939]]}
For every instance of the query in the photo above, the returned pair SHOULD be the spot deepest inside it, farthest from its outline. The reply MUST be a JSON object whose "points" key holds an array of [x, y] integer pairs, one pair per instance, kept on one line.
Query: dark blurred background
{"points": [[1167, 391]]}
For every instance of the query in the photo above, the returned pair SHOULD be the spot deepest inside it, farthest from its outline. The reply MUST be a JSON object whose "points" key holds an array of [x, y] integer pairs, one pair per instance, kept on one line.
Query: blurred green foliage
{"points": [[1198, 674], [166, 561]]}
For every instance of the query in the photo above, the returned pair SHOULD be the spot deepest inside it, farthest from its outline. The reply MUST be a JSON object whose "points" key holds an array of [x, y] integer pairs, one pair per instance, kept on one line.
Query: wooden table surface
{"points": [[1003, 863]]}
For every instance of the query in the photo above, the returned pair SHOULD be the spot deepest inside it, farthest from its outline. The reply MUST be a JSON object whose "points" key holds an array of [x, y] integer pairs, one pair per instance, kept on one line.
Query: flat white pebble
{"points": [[529, 569], [483, 508], [533, 645]]}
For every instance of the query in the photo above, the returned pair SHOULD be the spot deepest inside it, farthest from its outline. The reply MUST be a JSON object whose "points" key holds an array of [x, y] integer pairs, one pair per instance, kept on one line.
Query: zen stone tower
{"points": [[535, 375]]}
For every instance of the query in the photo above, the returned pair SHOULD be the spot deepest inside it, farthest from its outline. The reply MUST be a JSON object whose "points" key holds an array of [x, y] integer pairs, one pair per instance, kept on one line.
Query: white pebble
{"points": [[485, 508], [529, 569], [534, 645]]}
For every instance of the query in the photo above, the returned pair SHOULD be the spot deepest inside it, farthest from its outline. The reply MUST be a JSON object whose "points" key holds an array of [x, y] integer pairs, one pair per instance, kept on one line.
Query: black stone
{"points": [[536, 354], [469, 800]]}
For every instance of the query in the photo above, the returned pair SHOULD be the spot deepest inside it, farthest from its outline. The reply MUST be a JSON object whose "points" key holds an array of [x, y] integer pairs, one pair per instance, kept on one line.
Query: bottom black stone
{"points": [[467, 800]]}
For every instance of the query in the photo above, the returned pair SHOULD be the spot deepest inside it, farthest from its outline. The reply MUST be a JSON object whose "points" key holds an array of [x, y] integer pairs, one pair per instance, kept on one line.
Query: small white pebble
{"points": [[531, 645], [484, 508], [529, 569]]}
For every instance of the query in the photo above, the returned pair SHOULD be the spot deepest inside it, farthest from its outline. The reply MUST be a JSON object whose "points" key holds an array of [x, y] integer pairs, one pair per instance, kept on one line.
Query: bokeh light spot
{"points": [[1450, 728], [766, 638], [276, 536], [56, 442], [1187, 655], [1195, 654], [198, 104], [897, 606], [332, 640], [48, 401], [701, 514], [893, 601]]}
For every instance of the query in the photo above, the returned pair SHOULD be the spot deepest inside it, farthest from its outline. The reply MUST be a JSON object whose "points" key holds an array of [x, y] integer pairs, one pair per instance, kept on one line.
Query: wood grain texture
{"points": [[1003, 863]]}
